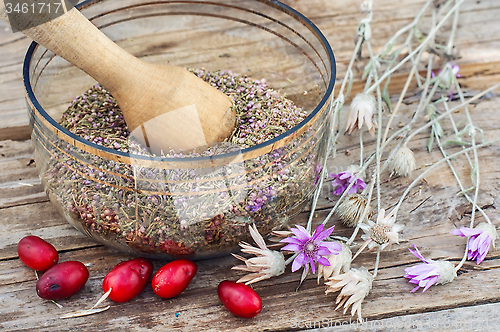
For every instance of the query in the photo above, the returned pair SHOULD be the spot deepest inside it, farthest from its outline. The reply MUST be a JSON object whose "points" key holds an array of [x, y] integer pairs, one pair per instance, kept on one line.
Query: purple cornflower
{"points": [[429, 273], [342, 180], [454, 71], [311, 248], [447, 77], [480, 239]]}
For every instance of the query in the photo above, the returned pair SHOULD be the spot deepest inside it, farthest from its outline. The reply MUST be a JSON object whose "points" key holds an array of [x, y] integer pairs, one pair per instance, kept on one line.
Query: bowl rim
{"points": [[121, 156]]}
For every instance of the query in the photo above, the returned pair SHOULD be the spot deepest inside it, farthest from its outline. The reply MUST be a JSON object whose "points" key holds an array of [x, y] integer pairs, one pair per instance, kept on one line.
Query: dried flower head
{"points": [[351, 209], [310, 248], [338, 263], [382, 233], [448, 74], [342, 180], [354, 286], [267, 264], [430, 272], [403, 162], [481, 238], [363, 107]]}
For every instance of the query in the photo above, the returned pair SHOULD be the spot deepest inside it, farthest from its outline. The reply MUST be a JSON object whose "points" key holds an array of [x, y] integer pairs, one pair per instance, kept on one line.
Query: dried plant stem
{"points": [[457, 178], [449, 46], [474, 151], [453, 109], [361, 148], [452, 168], [431, 168], [430, 36], [379, 133], [318, 189], [377, 261], [404, 29]]}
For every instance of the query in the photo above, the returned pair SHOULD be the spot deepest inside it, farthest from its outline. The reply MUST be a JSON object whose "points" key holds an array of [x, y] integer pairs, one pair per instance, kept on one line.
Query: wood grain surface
{"points": [[430, 212]]}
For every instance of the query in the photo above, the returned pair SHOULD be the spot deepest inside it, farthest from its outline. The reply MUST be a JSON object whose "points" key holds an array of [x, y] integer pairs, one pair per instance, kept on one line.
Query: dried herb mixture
{"points": [[184, 212]]}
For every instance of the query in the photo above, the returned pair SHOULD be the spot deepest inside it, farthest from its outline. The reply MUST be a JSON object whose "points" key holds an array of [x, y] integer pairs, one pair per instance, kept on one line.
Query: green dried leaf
{"points": [[385, 94], [473, 174], [388, 48], [431, 141]]}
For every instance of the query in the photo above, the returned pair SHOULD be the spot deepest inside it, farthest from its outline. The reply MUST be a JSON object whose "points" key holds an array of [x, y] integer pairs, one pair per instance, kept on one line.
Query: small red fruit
{"points": [[128, 279], [36, 253], [239, 299], [173, 278], [62, 280]]}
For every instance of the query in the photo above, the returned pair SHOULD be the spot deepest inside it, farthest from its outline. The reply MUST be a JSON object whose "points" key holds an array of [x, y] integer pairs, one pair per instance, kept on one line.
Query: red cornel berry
{"points": [[173, 278], [239, 299], [62, 280], [128, 279], [36, 253]]}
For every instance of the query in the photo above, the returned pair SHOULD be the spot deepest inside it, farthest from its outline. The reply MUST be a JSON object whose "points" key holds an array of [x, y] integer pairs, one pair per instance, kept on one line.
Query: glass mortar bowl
{"points": [[187, 207]]}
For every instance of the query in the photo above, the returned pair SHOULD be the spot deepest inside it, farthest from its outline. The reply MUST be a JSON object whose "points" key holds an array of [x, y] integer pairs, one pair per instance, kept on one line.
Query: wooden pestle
{"points": [[165, 107]]}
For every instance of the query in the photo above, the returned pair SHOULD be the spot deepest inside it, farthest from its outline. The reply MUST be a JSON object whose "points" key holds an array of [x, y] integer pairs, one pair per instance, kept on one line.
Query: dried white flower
{"points": [[403, 163], [338, 263], [363, 107], [267, 264], [382, 233], [351, 209], [354, 286], [280, 235]]}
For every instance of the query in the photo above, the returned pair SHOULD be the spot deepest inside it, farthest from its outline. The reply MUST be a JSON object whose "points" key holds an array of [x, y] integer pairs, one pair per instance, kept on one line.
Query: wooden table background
{"points": [[432, 210]]}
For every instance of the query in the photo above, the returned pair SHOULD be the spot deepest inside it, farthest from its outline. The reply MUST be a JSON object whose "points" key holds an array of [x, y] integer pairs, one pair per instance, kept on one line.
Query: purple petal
{"points": [[420, 271], [352, 190], [415, 289], [323, 261], [339, 190], [292, 240], [301, 233], [323, 234], [465, 231], [417, 254], [361, 184], [474, 243], [332, 247], [317, 232], [292, 247], [313, 267], [430, 282], [344, 175], [298, 262], [481, 257], [326, 252]]}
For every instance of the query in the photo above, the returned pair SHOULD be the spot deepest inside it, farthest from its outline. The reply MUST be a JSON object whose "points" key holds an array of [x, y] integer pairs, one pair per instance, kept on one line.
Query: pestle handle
{"points": [[165, 107]]}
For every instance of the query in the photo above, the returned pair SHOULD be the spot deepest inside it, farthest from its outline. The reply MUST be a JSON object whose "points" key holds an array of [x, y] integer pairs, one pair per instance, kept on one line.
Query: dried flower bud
{"points": [[351, 209], [363, 107], [403, 162]]}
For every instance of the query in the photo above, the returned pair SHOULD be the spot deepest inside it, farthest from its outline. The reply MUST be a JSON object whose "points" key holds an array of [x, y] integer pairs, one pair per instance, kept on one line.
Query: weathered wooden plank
{"points": [[199, 307], [466, 319]]}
